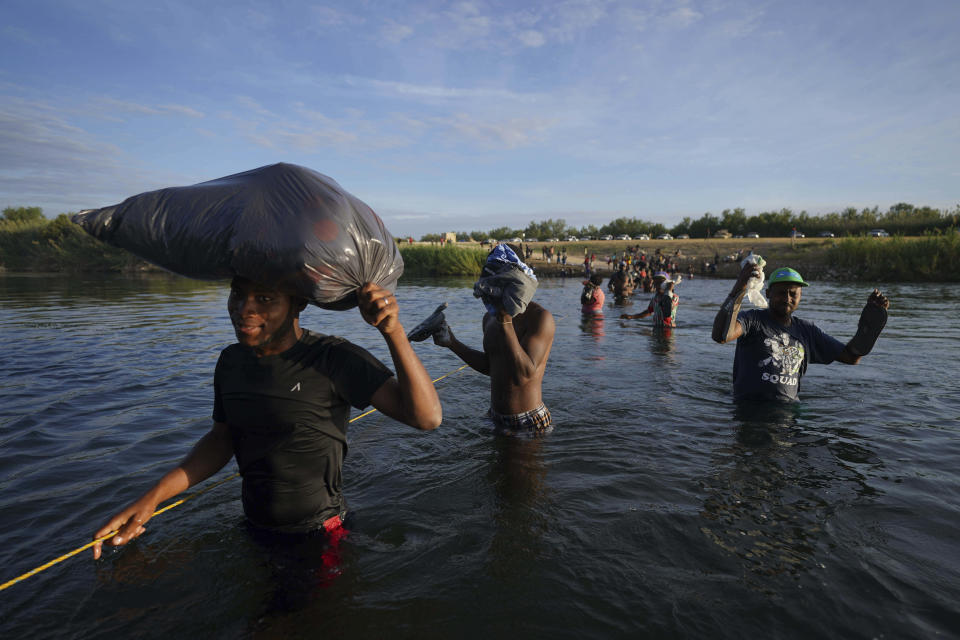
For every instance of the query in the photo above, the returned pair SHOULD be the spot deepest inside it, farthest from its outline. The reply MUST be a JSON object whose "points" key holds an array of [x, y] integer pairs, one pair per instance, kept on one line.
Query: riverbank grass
{"points": [[59, 245], [934, 258], [448, 260]]}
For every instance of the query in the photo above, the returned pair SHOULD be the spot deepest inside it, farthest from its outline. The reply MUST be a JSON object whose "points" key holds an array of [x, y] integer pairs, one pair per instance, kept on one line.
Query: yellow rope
{"points": [[65, 556], [177, 503]]}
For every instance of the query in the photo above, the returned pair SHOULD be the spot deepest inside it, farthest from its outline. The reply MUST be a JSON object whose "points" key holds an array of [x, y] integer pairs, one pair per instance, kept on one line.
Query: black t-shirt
{"points": [[771, 358], [287, 415]]}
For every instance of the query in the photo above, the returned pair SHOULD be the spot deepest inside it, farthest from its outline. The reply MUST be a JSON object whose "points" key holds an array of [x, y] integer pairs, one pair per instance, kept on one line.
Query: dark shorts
{"points": [[535, 422]]}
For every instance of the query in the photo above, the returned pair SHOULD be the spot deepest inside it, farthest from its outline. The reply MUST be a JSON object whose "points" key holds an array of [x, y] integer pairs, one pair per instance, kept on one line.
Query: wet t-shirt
{"points": [[663, 306], [771, 358], [592, 299], [287, 414]]}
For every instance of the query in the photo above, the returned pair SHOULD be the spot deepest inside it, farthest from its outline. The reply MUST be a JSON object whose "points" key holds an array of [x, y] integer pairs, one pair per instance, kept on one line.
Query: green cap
{"points": [[786, 274]]}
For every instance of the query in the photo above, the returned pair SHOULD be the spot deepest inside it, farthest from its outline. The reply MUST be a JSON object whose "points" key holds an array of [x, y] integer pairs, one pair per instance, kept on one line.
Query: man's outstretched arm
{"points": [[873, 318], [208, 456], [476, 360]]}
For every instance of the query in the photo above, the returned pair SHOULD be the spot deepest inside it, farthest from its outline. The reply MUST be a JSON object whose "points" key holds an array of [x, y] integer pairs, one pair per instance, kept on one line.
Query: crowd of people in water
{"points": [[282, 394]]}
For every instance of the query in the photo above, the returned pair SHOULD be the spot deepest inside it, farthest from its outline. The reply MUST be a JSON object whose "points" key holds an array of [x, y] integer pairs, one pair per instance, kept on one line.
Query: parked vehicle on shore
{"points": [[879, 233]]}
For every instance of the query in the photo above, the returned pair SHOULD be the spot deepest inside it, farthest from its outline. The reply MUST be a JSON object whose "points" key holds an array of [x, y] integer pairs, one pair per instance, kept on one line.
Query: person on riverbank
{"points": [[282, 396], [517, 338], [663, 305], [592, 296], [774, 346]]}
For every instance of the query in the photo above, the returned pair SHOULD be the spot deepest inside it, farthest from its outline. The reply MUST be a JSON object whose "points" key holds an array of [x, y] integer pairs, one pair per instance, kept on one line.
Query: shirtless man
{"points": [[515, 352]]}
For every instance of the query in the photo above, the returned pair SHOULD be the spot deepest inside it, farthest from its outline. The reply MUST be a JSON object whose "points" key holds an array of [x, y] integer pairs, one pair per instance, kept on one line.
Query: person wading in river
{"points": [[517, 338], [663, 306], [774, 347], [282, 396]]}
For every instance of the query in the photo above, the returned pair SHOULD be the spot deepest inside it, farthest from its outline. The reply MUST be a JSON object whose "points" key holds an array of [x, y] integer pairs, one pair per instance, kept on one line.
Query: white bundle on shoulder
{"points": [[755, 285]]}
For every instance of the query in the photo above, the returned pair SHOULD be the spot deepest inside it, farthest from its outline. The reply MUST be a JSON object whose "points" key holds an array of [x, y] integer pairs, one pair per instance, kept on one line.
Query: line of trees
{"points": [[900, 219]]}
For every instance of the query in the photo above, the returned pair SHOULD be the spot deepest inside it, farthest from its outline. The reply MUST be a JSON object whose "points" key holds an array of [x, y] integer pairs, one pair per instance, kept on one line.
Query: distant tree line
{"points": [[900, 219]]}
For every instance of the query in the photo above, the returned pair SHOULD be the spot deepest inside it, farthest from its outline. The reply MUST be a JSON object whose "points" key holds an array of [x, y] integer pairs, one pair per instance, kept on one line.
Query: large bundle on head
{"points": [[506, 282], [282, 225]]}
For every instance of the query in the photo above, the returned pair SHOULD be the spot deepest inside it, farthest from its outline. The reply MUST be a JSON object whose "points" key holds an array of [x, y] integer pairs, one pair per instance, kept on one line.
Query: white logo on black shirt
{"points": [[295, 387]]}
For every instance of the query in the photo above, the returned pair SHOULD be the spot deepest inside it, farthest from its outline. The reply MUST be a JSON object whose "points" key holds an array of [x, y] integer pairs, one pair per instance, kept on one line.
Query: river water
{"points": [[655, 508]]}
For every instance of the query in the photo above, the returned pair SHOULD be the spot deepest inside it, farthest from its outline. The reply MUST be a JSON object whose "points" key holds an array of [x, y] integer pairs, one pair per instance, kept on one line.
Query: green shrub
{"points": [[446, 260], [935, 257], [59, 245]]}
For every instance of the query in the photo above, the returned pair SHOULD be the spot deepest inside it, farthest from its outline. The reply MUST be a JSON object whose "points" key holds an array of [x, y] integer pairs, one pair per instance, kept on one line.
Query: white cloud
{"points": [[683, 17], [477, 26], [394, 33], [253, 105], [565, 20], [743, 25], [47, 161], [409, 90], [532, 38], [510, 133], [108, 106], [329, 16], [181, 109]]}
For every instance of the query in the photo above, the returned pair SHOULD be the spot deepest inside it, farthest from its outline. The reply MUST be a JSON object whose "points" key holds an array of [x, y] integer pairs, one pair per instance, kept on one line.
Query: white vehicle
{"points": [[683, 236], [623, 236], [606, 237], [879, 233], [641, 236], [753, 234], [571, 238], [664, 236]]}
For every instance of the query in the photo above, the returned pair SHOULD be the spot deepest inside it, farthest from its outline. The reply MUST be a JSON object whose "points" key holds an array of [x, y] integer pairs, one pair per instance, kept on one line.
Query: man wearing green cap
{"points": [[774, 347]]}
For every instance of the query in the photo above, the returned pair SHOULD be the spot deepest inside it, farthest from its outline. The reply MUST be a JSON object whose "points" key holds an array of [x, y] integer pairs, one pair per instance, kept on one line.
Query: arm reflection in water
{"points": [[775, 486]]}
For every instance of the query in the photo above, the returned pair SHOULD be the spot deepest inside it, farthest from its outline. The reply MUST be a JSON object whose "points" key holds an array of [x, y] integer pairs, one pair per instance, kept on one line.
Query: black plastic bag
{"points": [[281, 225]]}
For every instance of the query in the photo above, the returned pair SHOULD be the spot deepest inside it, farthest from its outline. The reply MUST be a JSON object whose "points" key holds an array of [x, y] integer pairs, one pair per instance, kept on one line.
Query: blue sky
{"points": [[470, 115]]}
